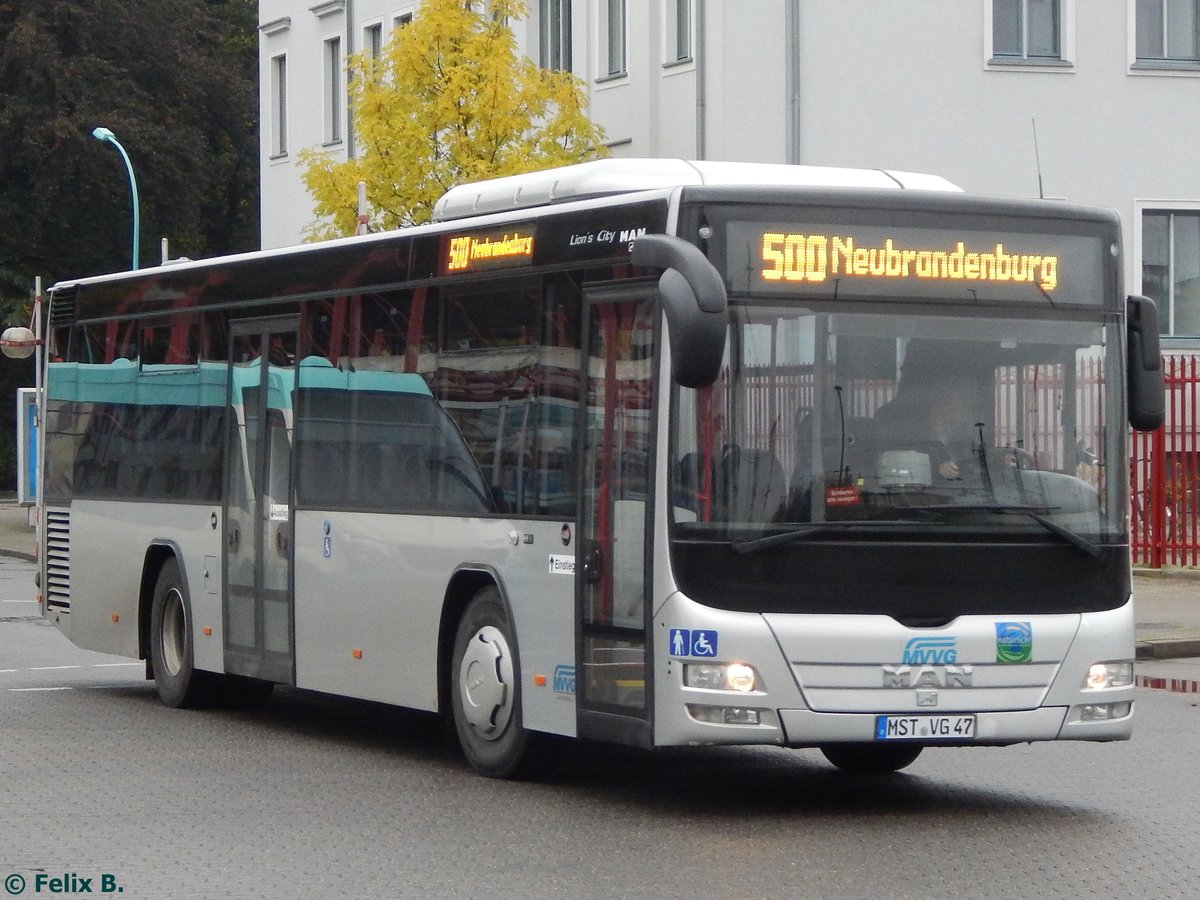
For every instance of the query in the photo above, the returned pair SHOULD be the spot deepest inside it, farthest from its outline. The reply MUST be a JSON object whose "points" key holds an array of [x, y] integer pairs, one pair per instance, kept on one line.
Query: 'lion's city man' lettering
{"points": [[816, 257]]}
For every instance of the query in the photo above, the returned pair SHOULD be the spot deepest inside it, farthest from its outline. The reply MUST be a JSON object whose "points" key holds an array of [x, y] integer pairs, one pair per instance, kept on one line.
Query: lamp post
{"points": [[103, 134]]}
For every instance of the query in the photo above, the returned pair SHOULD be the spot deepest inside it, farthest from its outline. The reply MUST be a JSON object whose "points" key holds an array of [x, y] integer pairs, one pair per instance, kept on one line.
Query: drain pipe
{"points": [[701, 98], [346, 100], [792, 48]]}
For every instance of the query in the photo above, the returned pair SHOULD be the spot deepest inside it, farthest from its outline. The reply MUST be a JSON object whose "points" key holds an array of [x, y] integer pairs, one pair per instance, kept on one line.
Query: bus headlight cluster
{"points": [[1104, 675], [720, 676]]}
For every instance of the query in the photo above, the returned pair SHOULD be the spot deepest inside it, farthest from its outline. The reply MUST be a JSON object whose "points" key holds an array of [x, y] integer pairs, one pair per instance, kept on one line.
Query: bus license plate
{"points": [[924, 728]]}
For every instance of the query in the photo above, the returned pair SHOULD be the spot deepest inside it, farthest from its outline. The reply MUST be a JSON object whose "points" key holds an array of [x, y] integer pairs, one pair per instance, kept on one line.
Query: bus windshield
{"points": [[869, 425]]}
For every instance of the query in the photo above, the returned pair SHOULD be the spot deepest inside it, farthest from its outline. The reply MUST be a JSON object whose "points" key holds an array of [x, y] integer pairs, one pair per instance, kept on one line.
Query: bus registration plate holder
{"points": [[924, 728]]}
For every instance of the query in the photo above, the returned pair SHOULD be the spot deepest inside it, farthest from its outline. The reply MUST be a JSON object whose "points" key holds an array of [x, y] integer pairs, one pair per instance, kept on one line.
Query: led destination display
{"points": [[862, 261], [486, 250]]}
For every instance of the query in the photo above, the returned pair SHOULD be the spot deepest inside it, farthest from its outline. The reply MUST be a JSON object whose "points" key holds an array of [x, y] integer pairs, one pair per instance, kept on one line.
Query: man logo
{"points": [[937, 650]]}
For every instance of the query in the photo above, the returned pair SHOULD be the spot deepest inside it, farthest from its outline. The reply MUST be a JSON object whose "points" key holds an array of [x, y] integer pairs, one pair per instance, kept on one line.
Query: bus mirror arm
{"points": [[693, 298], [1147, 400]]}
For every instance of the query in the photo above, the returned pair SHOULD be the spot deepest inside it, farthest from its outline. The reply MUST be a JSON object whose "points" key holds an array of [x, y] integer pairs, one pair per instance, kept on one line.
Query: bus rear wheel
{"points": [[178, 683], [871, 759], [485, 692]]}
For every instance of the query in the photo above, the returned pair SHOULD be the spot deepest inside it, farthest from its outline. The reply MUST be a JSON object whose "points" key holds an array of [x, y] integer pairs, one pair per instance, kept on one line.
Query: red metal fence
{"points": [[1164, 471]]}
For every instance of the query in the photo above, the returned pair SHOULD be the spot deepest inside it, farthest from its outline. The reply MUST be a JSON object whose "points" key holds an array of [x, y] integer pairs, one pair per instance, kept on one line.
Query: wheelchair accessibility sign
{"points": [[693, 642]]}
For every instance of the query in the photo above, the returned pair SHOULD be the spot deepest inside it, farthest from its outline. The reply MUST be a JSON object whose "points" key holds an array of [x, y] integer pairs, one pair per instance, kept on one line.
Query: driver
{"points": [[937, 410]]}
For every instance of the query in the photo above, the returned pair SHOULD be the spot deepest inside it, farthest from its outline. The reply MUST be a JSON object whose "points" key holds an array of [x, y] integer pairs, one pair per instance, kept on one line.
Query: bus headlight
{"points": [[1109, 675], [720, 676]]}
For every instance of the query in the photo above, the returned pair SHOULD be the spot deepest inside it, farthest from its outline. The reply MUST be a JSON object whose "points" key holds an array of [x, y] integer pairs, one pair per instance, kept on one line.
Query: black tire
{"points": [[485, 689], [178, 683], [871, 759]]}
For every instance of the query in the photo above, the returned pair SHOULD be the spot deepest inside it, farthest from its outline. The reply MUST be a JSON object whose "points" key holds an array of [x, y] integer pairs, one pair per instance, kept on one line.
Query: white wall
{"points": [[902, 84]]}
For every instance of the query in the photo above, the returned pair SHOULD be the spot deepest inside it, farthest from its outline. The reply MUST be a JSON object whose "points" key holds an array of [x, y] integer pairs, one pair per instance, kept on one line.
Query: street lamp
{"points": [[103, 134]]}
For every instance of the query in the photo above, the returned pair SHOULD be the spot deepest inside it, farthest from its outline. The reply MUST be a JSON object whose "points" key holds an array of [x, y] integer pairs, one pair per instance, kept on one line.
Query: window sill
{"points": [[679, 63], [1015, 64], [608, 79], [1185, 67], [1172, 342]]}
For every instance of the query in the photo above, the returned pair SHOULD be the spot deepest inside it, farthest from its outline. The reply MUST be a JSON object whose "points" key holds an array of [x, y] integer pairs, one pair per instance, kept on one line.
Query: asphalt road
{"points": [[316, 797]]}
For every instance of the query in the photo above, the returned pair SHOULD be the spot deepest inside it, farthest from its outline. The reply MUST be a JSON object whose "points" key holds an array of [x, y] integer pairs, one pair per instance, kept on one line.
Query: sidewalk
{"points": [[1167, 603]]}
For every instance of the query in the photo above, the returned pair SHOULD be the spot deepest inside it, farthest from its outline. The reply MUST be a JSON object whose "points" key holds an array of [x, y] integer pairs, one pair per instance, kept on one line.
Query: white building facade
{"points": [[1097, 102]]}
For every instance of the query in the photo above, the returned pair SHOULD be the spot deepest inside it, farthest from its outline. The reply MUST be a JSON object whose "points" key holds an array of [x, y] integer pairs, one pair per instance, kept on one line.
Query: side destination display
{"points": [[604, 233]]}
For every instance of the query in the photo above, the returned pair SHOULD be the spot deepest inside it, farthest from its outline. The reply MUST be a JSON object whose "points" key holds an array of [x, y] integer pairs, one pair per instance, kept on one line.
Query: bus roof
{"points": [[618, 176]]}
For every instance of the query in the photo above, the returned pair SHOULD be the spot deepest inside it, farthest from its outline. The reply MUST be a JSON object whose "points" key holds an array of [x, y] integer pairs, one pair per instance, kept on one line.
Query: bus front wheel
{"points": [[871, 759], [175, 678], [485, 689]]}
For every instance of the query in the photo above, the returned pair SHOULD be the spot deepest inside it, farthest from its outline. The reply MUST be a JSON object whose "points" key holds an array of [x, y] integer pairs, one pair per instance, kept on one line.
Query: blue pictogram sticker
{"points": [[693, 642]]}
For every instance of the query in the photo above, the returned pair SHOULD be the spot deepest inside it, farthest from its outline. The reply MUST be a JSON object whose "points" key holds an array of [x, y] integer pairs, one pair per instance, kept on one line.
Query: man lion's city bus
{"points": [[651, 452]]}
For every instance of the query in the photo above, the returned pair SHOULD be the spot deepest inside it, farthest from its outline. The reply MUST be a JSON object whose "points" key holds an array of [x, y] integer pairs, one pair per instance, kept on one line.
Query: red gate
{"points": [[1164, 471]]}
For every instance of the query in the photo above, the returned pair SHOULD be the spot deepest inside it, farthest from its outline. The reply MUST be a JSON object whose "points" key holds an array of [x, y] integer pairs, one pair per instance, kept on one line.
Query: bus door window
{"points": [[618, 405]]}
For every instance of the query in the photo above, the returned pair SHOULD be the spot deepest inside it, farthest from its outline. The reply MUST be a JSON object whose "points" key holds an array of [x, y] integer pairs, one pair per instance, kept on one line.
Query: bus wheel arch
{"points": [[172, 658], [463, 586], [156, 557], [483, 684]]}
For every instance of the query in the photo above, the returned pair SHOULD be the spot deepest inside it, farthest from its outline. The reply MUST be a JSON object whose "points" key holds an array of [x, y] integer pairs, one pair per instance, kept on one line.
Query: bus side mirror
{"points": [[1147, 399], [693, 298]]}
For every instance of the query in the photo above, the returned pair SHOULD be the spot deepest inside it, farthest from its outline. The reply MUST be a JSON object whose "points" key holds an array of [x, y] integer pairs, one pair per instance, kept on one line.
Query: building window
{"points": [[373, 40], [1171, 268], [1168, 31], [1027, 29], [333, 90], [554, 20], [401, 20], [279, 123], [614, 37], [679, 29]]}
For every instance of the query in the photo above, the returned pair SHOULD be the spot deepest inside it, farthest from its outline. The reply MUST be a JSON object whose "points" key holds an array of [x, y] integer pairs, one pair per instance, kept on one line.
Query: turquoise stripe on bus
{"points": [[204, 384]]}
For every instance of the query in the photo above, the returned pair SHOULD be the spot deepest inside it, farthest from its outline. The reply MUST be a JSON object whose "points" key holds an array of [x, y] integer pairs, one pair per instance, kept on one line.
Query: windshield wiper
{"points": [[1079, 542], [753, 545]]}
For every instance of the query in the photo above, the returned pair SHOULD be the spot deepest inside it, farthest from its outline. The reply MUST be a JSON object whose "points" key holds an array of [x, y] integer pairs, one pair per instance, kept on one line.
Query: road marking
{"points": [[61, 668], [22, 690]]}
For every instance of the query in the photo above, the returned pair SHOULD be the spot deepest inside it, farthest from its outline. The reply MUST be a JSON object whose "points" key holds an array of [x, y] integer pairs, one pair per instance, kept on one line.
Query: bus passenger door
{"points": [[258, 614], [612, 653]]}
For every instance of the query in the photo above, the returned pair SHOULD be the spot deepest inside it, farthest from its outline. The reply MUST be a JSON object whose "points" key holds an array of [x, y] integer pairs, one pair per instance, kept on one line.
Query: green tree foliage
{"points": [[450, 100], [176, 81]]}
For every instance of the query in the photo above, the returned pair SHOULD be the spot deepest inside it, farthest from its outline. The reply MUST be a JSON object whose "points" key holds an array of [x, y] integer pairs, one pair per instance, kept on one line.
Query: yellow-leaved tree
{"points": [[450, 100]]}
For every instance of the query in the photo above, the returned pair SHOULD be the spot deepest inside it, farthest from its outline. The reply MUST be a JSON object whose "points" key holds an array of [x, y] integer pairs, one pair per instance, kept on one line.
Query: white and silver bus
{"points": [[650, 452]]}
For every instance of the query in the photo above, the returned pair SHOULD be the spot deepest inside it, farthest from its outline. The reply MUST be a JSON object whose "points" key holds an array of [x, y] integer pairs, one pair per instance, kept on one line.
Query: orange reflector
{"points": [[115, 617], [356, 653], [207, 629], [539, 680]]}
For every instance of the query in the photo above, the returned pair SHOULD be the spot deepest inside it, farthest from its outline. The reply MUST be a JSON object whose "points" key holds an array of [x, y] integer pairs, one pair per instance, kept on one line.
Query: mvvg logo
{"points": [[936, 650], [564, 679]]}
